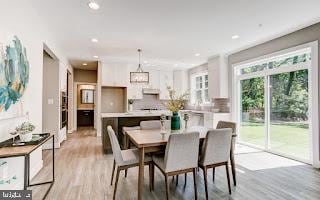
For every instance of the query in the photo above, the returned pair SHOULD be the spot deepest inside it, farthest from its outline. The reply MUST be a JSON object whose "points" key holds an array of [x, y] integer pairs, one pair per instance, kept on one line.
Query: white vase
{"points": [[130, 107], [27, 137]]}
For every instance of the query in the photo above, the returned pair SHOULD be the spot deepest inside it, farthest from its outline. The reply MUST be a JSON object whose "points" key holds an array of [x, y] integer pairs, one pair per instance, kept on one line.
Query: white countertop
{"points": [[137, 114], [203, 112]]}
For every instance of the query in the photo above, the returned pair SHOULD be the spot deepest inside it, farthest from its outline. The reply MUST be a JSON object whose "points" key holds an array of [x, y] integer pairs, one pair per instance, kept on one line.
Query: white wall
{"points": [[17, 17]]}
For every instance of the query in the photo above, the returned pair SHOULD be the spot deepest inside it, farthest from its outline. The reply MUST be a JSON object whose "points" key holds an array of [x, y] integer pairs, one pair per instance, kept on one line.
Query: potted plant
{"points": [[25, 131], [175, 104]]}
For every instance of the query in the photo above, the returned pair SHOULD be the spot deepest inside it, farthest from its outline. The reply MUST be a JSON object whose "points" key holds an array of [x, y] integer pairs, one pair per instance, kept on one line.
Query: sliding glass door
{"points": [[274, 103], [252, 120], [289, 126]]}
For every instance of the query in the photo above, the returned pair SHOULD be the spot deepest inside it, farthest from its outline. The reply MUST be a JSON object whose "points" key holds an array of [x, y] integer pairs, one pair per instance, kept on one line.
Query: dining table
{"points": [[153, 140]]}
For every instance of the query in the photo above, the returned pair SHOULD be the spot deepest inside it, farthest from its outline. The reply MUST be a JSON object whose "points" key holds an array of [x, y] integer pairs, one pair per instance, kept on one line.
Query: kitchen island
{"points": [[128, 119]]}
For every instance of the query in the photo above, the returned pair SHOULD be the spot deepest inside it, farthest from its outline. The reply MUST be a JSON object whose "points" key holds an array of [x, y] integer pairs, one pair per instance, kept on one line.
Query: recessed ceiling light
{"points": [[145, 62], [84, 64], [96, 56], [235, 37], [175, 65], [94, 40], [197, 54], [93, 5]]}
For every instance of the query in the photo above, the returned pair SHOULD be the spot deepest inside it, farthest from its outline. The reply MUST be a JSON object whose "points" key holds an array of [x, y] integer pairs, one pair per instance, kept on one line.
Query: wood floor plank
{"points": [[83, 172]]}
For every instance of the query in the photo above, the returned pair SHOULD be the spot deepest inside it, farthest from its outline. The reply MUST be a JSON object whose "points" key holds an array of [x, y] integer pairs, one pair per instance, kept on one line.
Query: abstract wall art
{"points": [[14, 77]]}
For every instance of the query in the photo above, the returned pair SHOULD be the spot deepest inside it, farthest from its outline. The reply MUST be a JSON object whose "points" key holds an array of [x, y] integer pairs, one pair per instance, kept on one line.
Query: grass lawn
{"points": [[291, 139]]}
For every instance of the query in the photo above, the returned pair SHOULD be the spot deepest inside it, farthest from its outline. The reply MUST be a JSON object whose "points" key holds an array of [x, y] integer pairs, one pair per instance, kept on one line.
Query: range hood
{"points": [[150, 91]]}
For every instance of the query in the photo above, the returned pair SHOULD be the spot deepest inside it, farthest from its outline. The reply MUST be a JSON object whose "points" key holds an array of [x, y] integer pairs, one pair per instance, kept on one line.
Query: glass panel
{"points": [[198, 96], [289, 127], [206, 95], [252, 129]]}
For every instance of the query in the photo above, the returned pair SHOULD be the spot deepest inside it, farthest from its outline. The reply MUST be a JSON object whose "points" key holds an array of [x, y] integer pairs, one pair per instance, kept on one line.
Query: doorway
{"points": [[274, 104], [86, 105]]}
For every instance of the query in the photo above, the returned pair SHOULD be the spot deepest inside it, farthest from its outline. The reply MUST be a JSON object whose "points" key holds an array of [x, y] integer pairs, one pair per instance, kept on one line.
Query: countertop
{"points": [[204, 112], [137, 114]]}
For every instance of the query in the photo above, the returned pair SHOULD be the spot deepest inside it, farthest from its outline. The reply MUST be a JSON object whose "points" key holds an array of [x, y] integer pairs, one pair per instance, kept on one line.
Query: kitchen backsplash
{"points": [[149, 101]]}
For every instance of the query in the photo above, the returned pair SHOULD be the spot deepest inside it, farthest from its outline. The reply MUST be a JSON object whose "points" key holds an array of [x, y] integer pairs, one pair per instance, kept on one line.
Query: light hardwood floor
{"points": [[83, 172]]}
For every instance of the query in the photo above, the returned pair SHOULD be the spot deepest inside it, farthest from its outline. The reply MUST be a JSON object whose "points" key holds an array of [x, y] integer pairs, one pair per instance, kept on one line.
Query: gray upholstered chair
{"points": [[181, 156], [233, 126], [150, 124], [124, 159], [215, 153]]}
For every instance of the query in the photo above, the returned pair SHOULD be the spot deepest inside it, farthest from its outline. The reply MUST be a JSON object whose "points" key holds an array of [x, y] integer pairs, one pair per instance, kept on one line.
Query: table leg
{"points": [[141, 173], [26, 172]]}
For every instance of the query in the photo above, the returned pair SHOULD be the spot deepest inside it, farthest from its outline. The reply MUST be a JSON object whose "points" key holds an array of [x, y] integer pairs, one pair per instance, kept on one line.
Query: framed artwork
{"points": [[87, 96]]}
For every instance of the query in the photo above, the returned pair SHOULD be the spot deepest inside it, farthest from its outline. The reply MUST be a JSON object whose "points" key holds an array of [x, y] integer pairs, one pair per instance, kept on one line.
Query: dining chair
{"points": [[181, 156], [233, 126], [150, 124], [215, 153], [125, 159]]}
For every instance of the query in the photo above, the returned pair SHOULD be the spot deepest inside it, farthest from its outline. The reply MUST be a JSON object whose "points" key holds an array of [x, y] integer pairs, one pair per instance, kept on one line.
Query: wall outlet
{"points": [[50, 101]]}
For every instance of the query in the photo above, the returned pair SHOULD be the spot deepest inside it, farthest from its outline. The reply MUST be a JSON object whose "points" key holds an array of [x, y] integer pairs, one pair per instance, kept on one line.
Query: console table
{"points": [[25, 151]]}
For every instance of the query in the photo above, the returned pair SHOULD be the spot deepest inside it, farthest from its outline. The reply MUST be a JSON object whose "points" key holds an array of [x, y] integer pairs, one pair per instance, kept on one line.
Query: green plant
{"points": [[176, 102], [25, 128]]}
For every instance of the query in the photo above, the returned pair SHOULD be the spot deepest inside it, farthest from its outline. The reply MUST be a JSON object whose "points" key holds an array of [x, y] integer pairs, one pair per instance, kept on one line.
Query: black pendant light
{"points": [[139, 76]]}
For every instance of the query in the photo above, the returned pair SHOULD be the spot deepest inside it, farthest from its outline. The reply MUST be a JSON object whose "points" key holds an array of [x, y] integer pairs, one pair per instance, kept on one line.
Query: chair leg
{"points": [[228, 177], [152, 174], [113, 168], [195, 184], [213, 173], [233, 168], [116, 184], [205, 175], [177, 180], [167, 186], [185, 179], [126, 173]]}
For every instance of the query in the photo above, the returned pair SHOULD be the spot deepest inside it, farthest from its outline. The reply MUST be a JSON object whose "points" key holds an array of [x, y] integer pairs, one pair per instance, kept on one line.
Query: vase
{"points": [[175, 121], [25, 137]]}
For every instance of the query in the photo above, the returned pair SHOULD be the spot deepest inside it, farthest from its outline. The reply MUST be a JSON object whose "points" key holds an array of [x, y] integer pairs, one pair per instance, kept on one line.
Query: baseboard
{"points": [[70, 131]]}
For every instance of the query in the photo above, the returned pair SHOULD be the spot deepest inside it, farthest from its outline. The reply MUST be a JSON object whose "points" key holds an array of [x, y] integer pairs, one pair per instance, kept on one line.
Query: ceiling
{"points": [[84, 64], [170, 32]]}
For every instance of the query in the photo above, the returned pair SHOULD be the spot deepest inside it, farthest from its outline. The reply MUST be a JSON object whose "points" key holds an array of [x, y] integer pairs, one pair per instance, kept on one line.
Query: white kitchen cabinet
{"points": [[180, 81], [154, 79], [166, 79], [114, 76], [134, 91]]}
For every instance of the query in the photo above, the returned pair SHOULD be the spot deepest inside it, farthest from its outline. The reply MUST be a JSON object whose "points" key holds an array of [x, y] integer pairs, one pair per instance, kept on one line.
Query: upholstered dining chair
{"points": [[124, 159], [150, 124], [233, 126], [181, 156], [215, 153]]}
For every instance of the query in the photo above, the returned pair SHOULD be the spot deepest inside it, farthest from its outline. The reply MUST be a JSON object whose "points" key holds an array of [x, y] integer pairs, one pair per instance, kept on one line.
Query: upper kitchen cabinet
{"points": [[154, 79], [134, 91], [180, 81], [166, 79], [114, 75]]}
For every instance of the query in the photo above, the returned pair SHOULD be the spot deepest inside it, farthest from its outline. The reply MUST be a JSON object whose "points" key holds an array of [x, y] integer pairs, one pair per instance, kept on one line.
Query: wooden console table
{"points": [[25, 151]]}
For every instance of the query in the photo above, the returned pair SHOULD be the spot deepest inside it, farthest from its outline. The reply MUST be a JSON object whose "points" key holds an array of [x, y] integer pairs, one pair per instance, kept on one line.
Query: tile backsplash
{"points": [[149, 101]]}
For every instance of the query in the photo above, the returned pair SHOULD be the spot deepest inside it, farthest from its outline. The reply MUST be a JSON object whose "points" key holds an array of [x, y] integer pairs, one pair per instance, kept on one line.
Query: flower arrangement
{"points": [[25, 128], [176, 102]]}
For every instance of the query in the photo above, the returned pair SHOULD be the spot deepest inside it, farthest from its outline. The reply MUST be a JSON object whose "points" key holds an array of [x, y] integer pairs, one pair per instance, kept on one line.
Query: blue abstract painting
{"points": [[14, 73]]}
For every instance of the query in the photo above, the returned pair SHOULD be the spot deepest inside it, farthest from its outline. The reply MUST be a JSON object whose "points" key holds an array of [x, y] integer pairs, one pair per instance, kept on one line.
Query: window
{"points": [[199, 88]]}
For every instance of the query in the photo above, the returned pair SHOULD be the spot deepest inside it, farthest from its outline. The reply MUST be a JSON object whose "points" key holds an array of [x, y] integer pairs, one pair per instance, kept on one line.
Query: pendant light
{"points": [[139, 76]]}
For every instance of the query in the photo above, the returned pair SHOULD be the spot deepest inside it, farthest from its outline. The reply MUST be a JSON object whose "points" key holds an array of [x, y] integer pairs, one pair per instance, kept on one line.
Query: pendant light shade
{"points": [[139, 76]]}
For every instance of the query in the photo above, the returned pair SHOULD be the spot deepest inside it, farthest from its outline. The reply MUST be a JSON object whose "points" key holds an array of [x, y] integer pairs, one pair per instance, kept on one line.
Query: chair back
{"points": [[216, 147], [225, 124], [115, 145], [181, 151], [150, 124]]}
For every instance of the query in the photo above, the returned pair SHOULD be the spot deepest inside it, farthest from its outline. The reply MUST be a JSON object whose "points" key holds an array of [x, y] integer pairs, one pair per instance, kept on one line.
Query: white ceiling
{"points": [[170, 32]]}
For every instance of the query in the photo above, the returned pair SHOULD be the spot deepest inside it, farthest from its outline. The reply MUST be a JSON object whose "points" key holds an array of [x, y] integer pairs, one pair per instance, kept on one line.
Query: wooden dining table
{"points": [[148, 141]]}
